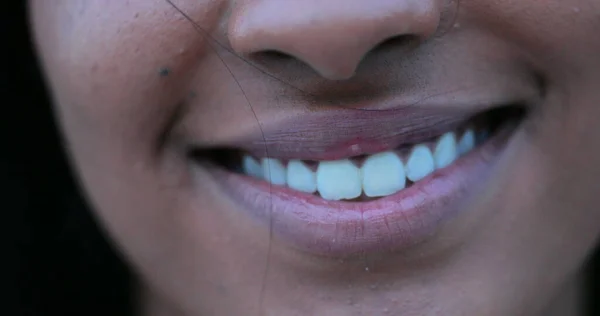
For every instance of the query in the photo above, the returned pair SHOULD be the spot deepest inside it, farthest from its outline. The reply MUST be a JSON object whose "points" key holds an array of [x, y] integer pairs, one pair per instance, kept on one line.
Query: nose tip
{"points": [[331, 36]]}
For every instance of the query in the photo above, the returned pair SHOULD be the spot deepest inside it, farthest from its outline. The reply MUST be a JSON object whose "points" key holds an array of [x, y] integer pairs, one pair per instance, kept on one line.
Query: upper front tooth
{"points": [[300, 177], [445, 151], [466, 142], [338, 180], [382, 174], [420, 163], [273, 171], [252, 167]]}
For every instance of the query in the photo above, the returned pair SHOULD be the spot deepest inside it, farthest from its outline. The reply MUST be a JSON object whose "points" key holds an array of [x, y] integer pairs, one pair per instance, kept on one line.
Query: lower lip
{"points": [[392, 223]]}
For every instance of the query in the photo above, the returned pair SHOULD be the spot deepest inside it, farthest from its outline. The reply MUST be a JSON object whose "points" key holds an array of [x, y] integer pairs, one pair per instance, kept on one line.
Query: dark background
{"points": [[58, 261]]}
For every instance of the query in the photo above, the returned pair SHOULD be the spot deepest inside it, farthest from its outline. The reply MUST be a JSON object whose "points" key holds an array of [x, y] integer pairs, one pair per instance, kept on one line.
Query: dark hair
{"points": [[65, 264]]}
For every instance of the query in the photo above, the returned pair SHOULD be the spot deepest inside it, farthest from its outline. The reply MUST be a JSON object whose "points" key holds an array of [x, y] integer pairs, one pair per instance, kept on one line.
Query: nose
{"points": [[331, 36]]}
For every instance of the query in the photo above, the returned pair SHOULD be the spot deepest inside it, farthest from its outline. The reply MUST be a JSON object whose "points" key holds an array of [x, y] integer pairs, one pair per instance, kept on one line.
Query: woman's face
{"points": [[429, 156]]}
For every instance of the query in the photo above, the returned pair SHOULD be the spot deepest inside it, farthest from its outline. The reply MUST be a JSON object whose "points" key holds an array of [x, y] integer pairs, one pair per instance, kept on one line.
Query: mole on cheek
{"points": [[164, 71]]}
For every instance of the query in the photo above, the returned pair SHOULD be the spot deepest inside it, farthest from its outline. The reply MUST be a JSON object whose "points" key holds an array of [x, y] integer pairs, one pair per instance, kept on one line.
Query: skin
{"points": [[135, 82]]}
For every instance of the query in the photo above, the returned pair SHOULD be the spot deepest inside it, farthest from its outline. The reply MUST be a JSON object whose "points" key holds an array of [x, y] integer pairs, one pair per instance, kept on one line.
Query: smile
{"points": [[360, 178], [344, 195]]}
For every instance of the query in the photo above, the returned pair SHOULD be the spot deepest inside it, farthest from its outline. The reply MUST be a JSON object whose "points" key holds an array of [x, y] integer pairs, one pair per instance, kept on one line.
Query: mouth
{"points": [[351, 192]]}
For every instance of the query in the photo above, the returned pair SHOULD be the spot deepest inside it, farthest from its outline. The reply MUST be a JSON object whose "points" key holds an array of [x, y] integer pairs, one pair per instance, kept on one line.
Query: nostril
{"points": [[271, 55], [275, 54], [405, 40], [276, 62]]}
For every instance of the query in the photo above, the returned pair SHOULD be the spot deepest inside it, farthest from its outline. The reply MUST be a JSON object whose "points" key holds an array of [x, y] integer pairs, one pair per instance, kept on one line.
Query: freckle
{"points": [[163, 72], [137, 15]]}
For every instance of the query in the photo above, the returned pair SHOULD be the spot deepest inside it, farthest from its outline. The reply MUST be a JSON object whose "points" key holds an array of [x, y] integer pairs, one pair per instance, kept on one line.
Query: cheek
{"points": [[554, 34], [119, 70], [106, 65], [118, 73]]}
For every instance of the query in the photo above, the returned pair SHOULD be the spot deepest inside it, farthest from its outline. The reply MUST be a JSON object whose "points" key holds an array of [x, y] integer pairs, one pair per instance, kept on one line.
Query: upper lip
{"points": [[344, 133], [331, 132]]}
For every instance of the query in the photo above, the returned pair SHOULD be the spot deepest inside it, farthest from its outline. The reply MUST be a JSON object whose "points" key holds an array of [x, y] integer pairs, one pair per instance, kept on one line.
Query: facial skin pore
{"points": [[137, 83]]}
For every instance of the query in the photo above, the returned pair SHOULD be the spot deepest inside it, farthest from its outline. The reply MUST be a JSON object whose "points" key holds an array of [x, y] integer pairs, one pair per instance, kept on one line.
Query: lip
{"points": [[332, 135], [340, 228]]}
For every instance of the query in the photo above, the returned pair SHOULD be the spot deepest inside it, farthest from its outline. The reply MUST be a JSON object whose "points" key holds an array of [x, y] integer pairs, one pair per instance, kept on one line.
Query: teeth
{"points": [[252, 167], [300, 177], [420, 164], [338, 180], [273, 171], [466, 142], [383, 174], [380, 175], [445, 151]]}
